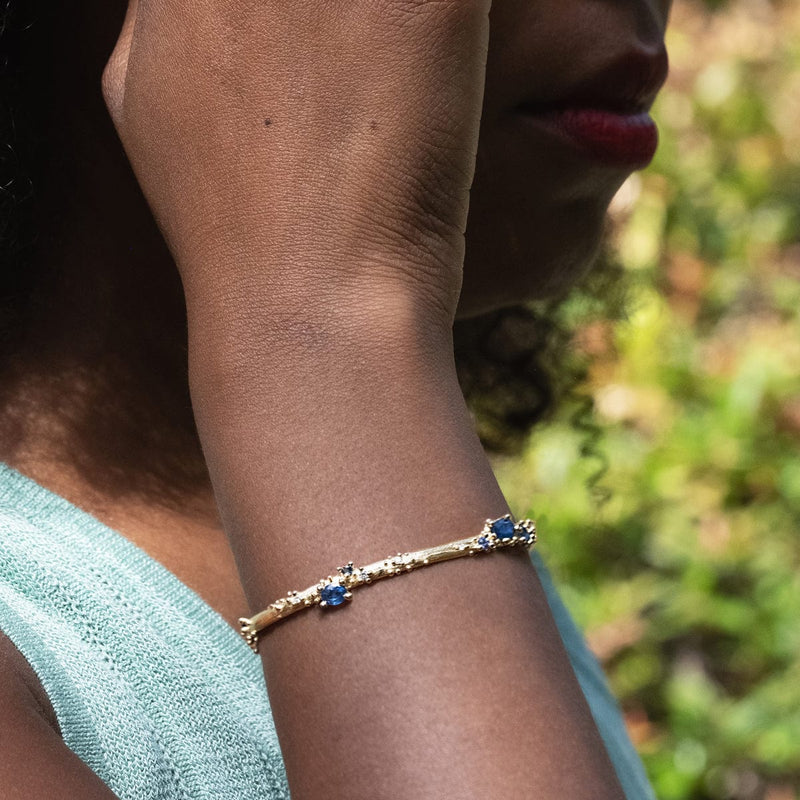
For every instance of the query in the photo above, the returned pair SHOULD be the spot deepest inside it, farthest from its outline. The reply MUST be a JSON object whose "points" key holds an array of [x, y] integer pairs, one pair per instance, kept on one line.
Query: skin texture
{"points": [[318, 253]]}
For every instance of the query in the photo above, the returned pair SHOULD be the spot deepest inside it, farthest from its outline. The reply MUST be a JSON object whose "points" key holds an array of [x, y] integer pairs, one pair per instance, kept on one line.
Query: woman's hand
{"points": [[307, 154]]}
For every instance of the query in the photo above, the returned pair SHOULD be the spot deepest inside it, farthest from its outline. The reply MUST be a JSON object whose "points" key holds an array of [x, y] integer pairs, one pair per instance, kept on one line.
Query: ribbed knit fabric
{"points": [[150, 686]]}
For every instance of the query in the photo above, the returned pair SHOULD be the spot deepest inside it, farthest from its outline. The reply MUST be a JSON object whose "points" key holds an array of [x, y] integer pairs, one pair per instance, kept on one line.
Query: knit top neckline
{"points": [[14, 483]]}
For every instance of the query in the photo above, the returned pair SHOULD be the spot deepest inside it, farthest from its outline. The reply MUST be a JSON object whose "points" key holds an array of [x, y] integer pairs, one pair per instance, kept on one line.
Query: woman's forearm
{"points": [[344, 436]]}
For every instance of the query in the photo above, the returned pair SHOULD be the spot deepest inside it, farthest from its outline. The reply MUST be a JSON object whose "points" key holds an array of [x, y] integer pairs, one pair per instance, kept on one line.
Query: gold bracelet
{"points": [[334, 591]]}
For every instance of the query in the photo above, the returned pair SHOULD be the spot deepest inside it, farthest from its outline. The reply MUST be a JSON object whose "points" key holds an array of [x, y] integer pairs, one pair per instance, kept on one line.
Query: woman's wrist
{"points": [[337, 445], [239, 333]]}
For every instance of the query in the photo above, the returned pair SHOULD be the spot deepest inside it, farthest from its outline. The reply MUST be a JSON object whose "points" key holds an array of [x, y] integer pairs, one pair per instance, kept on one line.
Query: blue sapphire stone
{"points": [[333, 594], [483, 541], [503, 529]]}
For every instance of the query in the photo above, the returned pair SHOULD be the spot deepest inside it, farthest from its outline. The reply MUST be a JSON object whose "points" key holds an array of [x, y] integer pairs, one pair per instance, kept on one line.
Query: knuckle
{"points": [[112, 86], [114, 78]]}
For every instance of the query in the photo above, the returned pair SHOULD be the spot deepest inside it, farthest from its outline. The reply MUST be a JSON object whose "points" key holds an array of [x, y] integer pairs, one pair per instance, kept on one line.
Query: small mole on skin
{"points": [[267, 122], [373, 126]]}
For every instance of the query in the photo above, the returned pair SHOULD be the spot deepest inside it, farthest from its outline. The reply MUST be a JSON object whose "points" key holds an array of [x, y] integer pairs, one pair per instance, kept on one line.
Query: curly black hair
{"points": [[514, 364]]}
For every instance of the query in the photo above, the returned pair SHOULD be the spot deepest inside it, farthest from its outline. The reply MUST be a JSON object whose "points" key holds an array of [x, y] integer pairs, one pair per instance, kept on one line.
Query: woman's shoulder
{"points": [[34, 760], [20, 686], [149, 687]]}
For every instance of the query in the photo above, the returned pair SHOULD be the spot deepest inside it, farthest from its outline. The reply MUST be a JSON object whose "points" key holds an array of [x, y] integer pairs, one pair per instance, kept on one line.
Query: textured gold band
{"points": [[334, 591]]}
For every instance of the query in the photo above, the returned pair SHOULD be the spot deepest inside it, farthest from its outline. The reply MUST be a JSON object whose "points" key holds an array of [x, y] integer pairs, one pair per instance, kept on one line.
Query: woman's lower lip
{"points": [[623, 140]]}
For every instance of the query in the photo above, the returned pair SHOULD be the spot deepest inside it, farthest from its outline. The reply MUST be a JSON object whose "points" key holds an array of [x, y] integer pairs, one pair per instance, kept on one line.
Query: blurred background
{"points": [[673, 526]]}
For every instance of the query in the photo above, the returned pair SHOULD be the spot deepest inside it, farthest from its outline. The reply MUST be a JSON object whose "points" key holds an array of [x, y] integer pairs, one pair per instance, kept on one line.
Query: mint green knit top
{"points": [[151, 688]]}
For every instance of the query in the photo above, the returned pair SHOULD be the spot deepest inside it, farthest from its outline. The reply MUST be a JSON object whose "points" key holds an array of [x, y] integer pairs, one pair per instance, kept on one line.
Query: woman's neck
{"points": [[94, 400], [94, 380]]}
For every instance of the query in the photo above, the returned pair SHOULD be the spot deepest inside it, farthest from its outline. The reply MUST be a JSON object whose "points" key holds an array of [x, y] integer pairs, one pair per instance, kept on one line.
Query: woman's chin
{"points": [[543, 269]]}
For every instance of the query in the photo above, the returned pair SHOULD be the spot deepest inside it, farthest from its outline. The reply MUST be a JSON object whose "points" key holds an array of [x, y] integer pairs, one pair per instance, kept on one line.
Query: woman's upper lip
{"points": [[628, 85]]}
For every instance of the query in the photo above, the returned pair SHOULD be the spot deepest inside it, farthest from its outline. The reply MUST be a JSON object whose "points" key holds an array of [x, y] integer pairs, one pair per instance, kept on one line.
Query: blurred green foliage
{"points": [[686, 578]]}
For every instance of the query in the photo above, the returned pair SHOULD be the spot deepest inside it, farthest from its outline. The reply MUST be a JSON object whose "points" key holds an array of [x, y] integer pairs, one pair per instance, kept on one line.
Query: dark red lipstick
{"points": [[607, 115], [625, 140]]}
